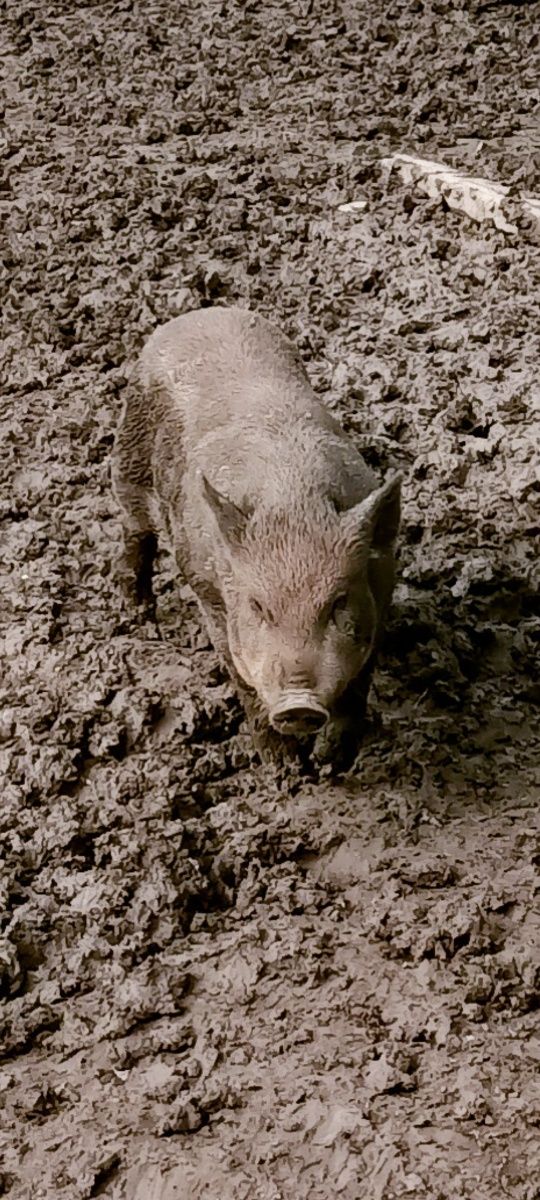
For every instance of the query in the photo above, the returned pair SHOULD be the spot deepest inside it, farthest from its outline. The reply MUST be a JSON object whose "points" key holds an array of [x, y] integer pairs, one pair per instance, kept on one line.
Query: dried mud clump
{"points": [[214, 982]]}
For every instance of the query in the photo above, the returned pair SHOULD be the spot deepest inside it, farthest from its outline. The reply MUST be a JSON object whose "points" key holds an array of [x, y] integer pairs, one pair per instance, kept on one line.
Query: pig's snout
{"points": [[299, 714]]}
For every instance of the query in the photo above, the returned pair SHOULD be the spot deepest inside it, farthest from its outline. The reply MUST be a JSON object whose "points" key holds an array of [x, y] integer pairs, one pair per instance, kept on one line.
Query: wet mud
{"points": [[215, 982]]}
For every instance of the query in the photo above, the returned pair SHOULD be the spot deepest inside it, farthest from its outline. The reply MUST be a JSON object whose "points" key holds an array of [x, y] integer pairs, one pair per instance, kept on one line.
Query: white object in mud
{"points": [[353, 205], [479, 198]]}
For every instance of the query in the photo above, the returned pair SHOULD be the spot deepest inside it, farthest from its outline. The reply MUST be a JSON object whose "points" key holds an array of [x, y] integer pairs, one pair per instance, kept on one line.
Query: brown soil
{"points": [[215, 984]]}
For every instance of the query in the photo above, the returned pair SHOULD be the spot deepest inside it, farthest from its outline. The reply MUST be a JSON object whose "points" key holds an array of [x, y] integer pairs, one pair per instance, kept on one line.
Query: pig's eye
{"points": [[339, 607], [339, 610]]}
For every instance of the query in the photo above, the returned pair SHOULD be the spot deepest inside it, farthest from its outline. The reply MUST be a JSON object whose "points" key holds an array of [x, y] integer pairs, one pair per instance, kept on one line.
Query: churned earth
{"points": [[215, 982]]}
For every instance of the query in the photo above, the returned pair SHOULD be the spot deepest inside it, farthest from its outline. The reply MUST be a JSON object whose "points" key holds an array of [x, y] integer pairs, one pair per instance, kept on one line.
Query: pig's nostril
{"points": [[299, 719]]}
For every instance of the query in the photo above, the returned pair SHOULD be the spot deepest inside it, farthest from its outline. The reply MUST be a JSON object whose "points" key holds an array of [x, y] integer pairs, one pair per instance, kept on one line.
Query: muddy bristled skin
{"points": [[283, 532]]}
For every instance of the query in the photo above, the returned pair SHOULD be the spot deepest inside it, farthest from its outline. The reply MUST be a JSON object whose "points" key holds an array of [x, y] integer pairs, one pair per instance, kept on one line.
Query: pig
{"points": [[282, 531]]}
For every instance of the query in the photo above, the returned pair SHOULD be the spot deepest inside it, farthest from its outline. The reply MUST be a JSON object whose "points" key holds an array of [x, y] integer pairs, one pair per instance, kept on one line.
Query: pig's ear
{"points": [[373, 524], [231, 520]]}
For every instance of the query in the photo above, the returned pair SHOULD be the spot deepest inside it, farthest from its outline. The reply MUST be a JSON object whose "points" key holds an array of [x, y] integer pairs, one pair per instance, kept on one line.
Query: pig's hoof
{"points": [[146, 611], [288, 772], [274, 750], [336, 748], [142, 610], [126, 586]]}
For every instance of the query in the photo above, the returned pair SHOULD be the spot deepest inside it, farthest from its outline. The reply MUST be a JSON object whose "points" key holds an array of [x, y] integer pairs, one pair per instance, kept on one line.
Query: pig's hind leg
{"points": [[132, 486], [137, 568]]}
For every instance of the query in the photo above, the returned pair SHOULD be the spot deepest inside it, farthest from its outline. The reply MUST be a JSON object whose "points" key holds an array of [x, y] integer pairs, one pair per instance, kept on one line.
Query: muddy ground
{"points": [[213, 984]]}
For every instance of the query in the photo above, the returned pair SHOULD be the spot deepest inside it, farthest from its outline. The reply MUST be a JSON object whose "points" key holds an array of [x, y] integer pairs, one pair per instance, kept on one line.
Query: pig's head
{"points": [[301, 614]]}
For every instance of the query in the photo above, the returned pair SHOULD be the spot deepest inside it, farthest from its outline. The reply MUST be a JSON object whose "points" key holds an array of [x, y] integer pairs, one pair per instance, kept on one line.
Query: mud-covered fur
{"points": [[275, 520]]}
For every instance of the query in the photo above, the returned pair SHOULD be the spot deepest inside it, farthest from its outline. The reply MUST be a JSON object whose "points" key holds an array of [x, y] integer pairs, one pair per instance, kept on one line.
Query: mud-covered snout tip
{"points": [[299, 714]]}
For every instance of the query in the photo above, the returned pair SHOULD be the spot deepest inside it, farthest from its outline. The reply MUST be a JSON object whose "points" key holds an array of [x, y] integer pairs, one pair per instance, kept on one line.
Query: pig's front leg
{"points": [[338, 744], [272, 747]]}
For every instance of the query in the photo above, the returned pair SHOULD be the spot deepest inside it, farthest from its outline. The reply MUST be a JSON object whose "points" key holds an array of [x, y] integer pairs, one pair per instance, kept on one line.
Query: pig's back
{"points": [[217, 366], [235, 390]]}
